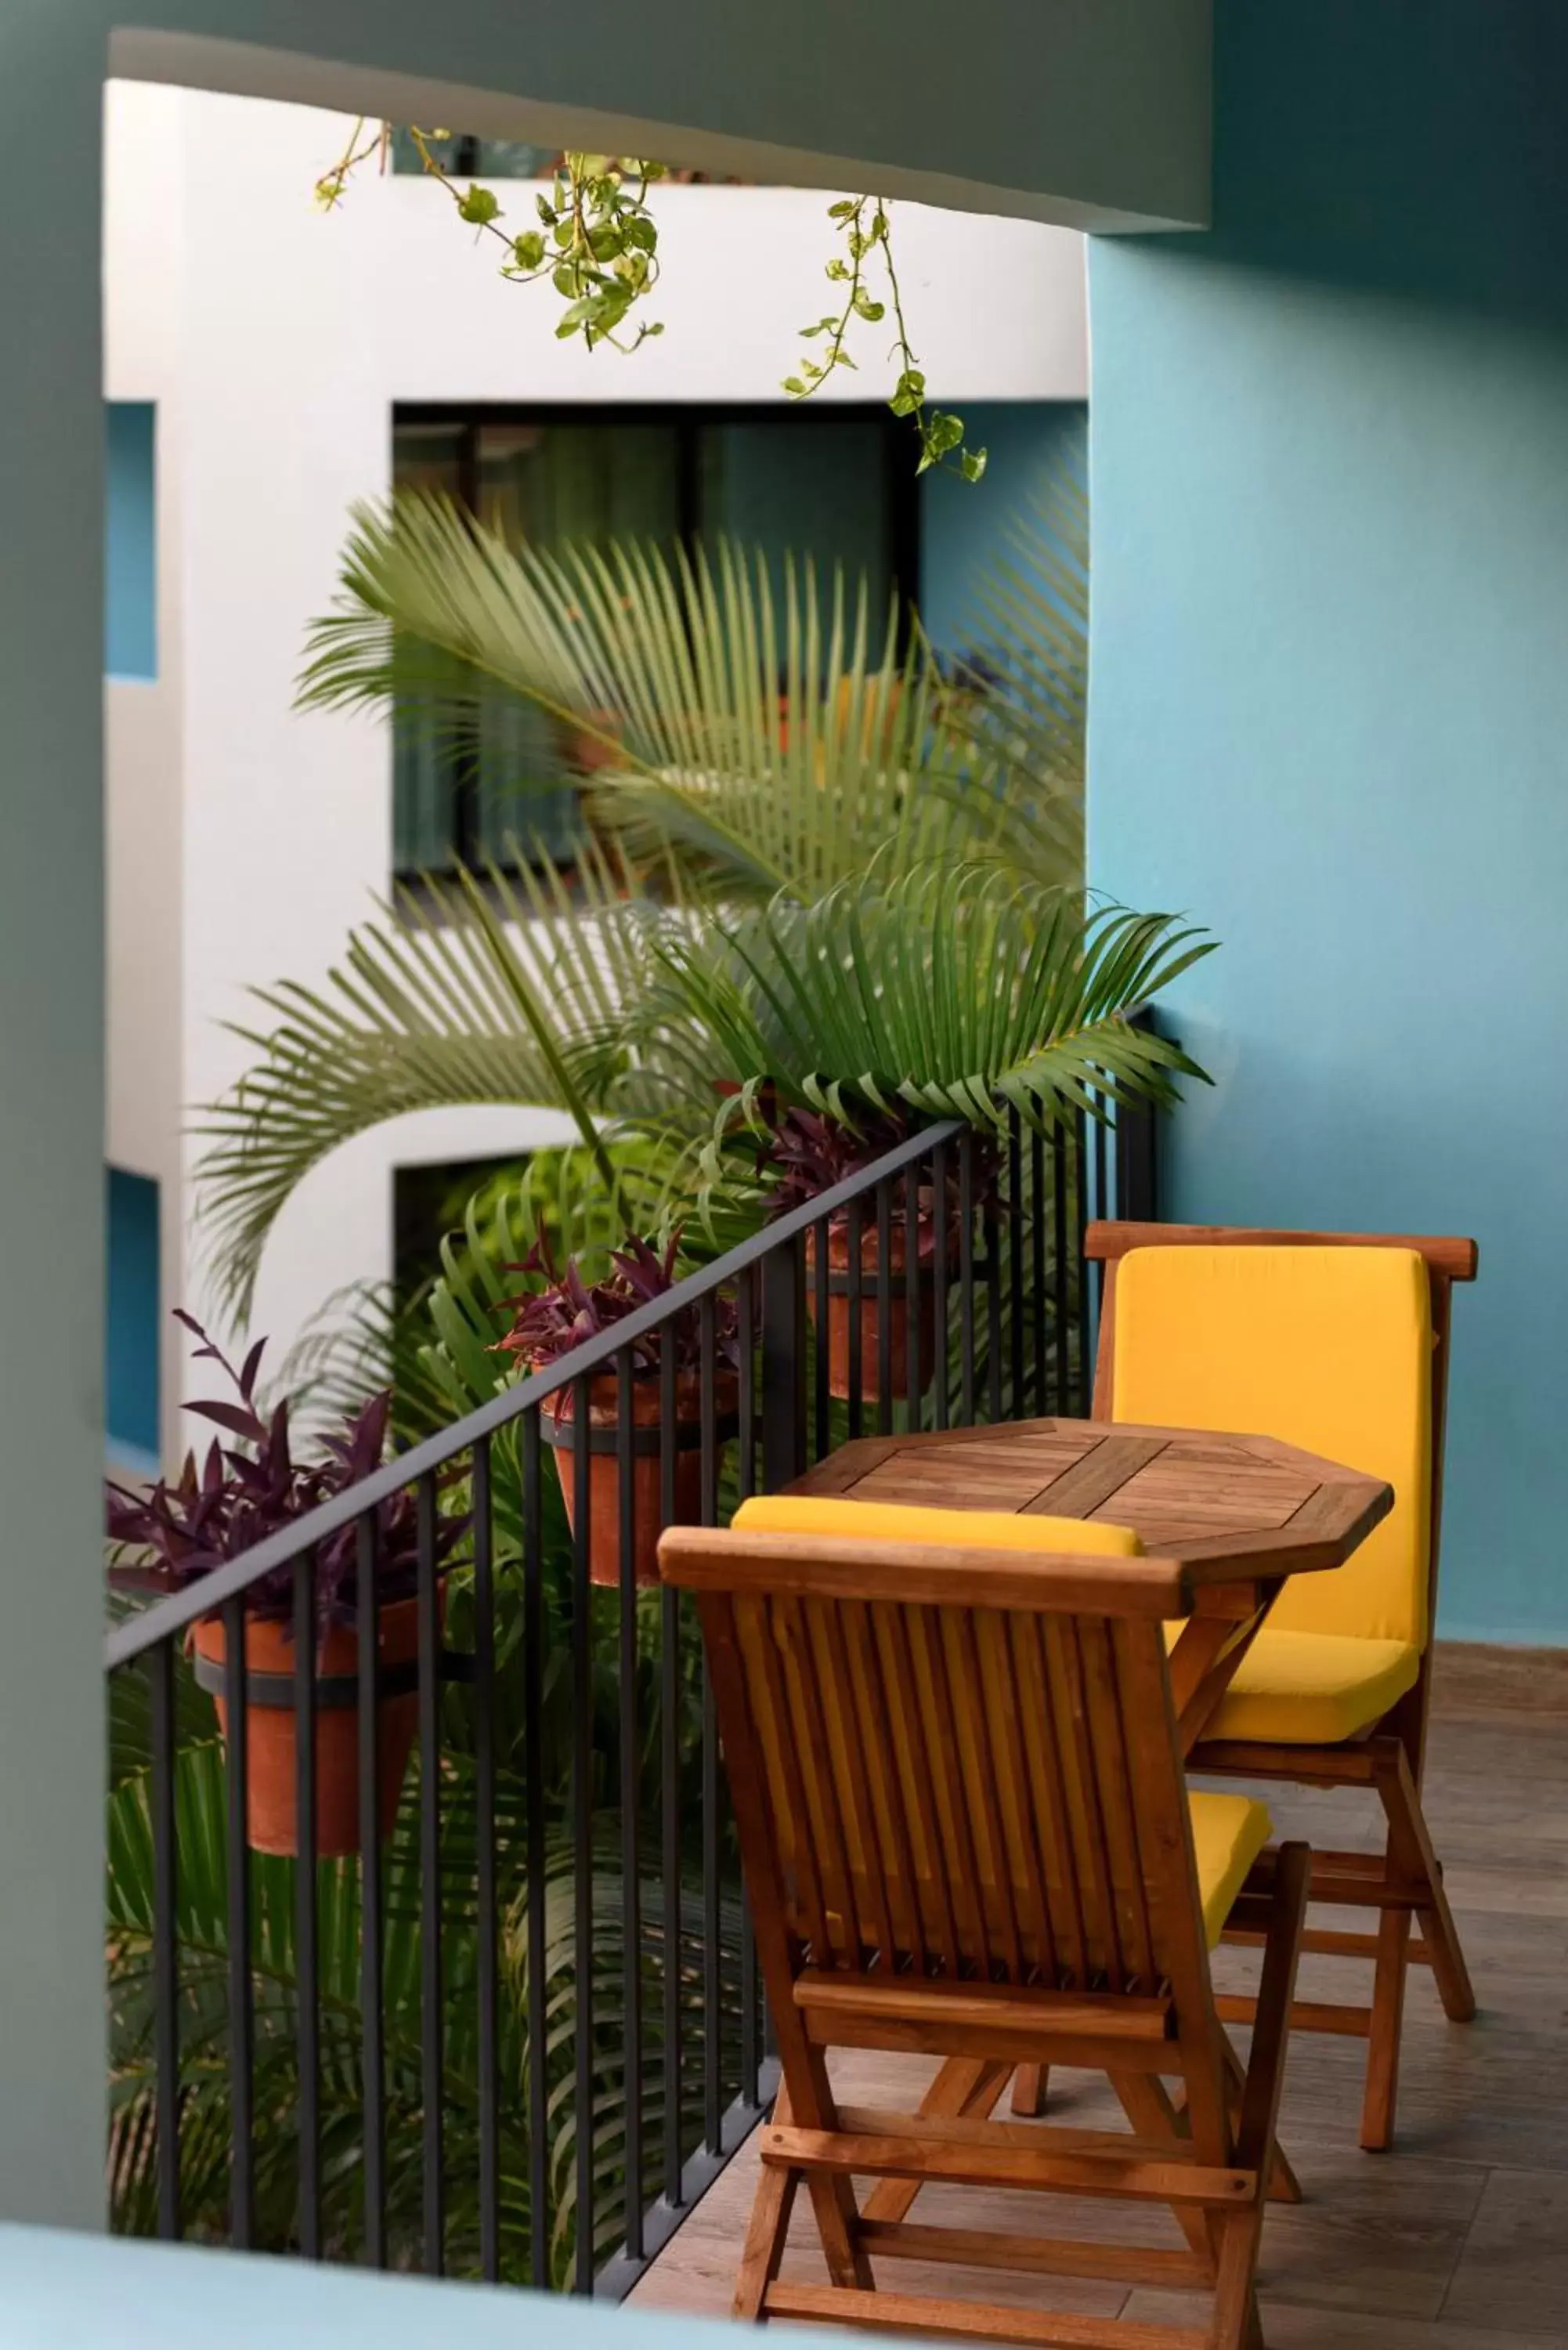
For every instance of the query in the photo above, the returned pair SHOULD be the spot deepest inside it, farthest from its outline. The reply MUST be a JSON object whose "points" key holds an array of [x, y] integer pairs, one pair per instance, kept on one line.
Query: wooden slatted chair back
{"points": [[954, 1766]]}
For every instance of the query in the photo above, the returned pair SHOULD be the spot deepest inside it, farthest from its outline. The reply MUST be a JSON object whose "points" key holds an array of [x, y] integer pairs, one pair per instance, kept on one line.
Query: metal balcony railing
{"points": [[497, 2011]]}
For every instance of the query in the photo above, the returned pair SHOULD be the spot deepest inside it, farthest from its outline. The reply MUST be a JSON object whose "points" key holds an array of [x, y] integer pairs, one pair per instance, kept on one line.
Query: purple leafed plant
{"points": [[245, 1490], [809, 1153], [550, 1322]]}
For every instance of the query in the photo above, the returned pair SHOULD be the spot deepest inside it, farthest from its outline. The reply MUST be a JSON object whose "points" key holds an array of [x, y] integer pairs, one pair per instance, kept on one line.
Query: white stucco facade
{"points": [[246, 840]]}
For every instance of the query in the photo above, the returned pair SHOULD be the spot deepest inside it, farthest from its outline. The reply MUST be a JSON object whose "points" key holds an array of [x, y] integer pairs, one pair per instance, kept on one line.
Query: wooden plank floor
{"points": [[1457, 2239]]}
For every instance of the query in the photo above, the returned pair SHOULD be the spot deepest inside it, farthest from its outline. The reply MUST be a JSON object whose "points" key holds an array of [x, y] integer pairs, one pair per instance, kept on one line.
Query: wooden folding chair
{"points": [[966, 1832], [1339, 1342]]}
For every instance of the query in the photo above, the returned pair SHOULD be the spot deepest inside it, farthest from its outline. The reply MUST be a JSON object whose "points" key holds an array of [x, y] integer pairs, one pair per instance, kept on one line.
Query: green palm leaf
{"points": [[955, 990], [1029, 615], [768, 745], [480, 994]]}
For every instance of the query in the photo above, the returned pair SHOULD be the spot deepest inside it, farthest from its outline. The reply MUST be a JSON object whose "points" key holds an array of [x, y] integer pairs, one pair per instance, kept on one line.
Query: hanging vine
{"points": [[596, 242]]}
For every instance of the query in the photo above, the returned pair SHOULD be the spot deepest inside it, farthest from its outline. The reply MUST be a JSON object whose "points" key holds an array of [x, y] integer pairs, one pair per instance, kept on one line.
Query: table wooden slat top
{"points": [[1214, 1500]]}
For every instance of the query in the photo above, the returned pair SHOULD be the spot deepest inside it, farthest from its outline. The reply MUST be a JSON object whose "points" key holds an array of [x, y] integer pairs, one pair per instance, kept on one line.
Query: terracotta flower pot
{"points": [[270, 1805], [588, 753], [558, 1425], [841, 1307]]}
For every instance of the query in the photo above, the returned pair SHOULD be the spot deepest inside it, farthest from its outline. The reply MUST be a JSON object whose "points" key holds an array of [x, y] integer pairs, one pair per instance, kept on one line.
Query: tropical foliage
{"points": [[581, 1993], [816, 860], [766, 737], [826, 884], [177, 1530]]}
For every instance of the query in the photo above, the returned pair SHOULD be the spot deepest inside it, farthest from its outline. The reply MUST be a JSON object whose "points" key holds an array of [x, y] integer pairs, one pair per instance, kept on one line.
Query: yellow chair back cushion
{"points": [[809, 1514], [1330, 1349]]}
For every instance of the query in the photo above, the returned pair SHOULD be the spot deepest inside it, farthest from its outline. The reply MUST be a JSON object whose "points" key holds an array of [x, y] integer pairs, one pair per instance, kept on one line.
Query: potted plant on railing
{"points": [[177, 1531], [549, 1322], [808, 1154]]}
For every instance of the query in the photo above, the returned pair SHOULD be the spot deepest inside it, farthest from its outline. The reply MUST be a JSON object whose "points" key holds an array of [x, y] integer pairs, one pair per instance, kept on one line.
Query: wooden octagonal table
{"points": [[1241, 1513]]}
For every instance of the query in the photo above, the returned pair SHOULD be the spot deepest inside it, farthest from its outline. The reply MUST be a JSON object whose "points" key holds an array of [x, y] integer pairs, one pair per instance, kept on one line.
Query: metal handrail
{"points": [[207, 1595]]}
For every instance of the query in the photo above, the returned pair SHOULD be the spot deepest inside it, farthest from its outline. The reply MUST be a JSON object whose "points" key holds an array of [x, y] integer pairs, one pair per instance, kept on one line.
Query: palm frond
{"points": [[478, 994], [1028, 619], [954, 990], [766, 744]]}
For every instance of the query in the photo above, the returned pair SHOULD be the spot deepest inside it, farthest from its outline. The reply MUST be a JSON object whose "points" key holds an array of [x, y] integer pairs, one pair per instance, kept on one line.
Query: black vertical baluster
{"points": [[1016, 1258], [1080, 1403], [533, 1835], [431, 2084], [306, 1959], [966, 1278], [1062, 1308], [372, 2055], [708, 1405], [242, 2021], [914, 1391], [942, 1231], [712, 2095], [884, 1282], [853, 1308], [582, 1832], [822, 1304], [750, 2034], [784, 1390], [669, 1701], [745, 1339], [1104, 1205], [992, 1221], [165, 1936], [489, 1965], [711, 1985], [630, 1754], [819, 1267], [1037, 1264]]}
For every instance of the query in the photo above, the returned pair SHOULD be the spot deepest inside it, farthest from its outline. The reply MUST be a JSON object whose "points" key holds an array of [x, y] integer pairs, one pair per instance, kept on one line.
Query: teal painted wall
{"points": [[1329, 701], [132, 1308], [964, 526], [131, 540]]}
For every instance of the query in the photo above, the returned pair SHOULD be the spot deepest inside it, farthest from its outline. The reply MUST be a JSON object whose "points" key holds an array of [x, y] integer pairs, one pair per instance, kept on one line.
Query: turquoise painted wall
{"points": [[964, 524], [1329, 702], [131, 540], [132, 1308]]}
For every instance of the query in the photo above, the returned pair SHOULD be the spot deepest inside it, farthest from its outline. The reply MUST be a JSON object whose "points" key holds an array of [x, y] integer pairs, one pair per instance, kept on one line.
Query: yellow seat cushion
{"points": [[1313, 1689], [810, 1513], [1228, 1832], [1328, 1348]]}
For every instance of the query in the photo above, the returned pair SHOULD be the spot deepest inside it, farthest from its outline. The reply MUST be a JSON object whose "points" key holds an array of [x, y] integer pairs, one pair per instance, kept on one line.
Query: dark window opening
{"points": [[834, 482], [429, 1203]]}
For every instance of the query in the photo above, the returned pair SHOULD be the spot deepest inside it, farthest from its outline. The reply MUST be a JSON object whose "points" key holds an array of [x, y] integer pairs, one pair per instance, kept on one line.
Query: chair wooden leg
{"points": [[771, 2209], [1382, 2089], [1406, 1818], [1029, 2086], [1411, 1863], [1284, 2187], [839, 2224], [1235, 2324], [964, 2087], [1147, 2104], [832, 2195]]}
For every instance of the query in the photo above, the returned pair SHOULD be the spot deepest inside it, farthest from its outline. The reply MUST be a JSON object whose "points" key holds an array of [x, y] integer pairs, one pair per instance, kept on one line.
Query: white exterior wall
{"points": [[143, 756], [277, 342]]}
